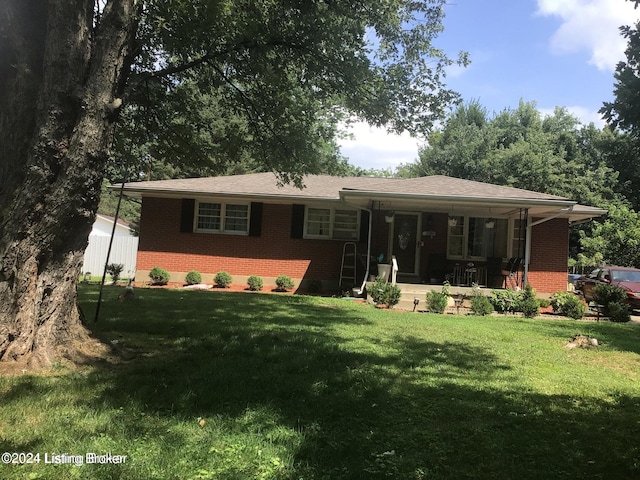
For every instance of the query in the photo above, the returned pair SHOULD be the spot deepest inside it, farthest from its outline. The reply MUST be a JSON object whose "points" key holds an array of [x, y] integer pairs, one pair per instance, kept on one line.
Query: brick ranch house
{"points": [[436, 227]]}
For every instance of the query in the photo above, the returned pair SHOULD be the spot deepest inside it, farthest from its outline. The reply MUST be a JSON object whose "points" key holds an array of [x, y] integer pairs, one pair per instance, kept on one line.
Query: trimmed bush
{"points": [[284, 283], [480, 305], [255, 283], [159, 276], [383, 293], [376, 290], [392, 295], [193, 278], [222, 279], [437, 301], [567, 304]]}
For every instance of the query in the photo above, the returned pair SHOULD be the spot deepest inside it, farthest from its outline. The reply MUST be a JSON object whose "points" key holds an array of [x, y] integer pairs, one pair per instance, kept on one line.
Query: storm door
{"points": [[404, 242]]}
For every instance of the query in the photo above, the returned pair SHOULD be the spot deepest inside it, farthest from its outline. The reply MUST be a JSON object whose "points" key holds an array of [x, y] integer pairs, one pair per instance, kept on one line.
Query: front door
{"points": [[404, 244]]}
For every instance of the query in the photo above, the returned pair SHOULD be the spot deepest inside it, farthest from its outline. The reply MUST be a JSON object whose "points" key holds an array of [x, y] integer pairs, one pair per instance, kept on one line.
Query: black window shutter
{"points": [[297, 221], [255, 221], [186, 215], [364, 225]]}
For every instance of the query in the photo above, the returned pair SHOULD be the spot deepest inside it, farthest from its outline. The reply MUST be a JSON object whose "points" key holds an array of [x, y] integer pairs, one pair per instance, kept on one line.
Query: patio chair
{"points": [[511, 273]]}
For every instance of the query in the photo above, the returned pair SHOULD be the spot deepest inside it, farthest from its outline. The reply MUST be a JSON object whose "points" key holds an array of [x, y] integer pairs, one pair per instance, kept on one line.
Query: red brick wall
{"points": [[269, 255], [549, 253], [274, 252]]}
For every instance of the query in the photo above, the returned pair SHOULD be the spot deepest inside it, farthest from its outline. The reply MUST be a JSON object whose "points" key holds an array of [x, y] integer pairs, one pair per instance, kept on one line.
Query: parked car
{"points": [[627, 278]]}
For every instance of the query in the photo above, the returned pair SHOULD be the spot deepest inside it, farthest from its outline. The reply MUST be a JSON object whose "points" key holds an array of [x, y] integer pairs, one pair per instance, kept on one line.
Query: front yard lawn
{"points": [[232, 385]]}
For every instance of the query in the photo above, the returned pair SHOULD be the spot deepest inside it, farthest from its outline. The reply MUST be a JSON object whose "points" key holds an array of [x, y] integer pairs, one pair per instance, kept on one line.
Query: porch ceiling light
{"points": [[490, 223], [453, 221]]}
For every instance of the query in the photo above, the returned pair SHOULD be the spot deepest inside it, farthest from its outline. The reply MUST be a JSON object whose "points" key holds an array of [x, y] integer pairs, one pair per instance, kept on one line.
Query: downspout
{"points": [[368, 262]]}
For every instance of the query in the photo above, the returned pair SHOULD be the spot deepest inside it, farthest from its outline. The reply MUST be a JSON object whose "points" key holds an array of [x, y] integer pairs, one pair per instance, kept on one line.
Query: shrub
{"points": [[613, 299], [529, 305], [383, 293], [567, 304], [617, 312], [376, 290], [392, 295], [255, 283], [284, 283], [505, 301], [114, 270], [437, 301], [193, 277], [222, 279], [159, 276], [480, 305], [606, 294], [544, 302]]}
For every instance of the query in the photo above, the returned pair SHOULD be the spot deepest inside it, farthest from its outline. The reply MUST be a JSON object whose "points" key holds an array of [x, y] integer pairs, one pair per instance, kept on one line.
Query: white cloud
{"points": [[373, 147], [591, 25], [583, 114]]}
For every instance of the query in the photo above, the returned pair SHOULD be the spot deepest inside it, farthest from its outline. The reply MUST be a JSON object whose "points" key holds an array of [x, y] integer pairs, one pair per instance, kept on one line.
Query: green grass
{"points": [[293, 387]]}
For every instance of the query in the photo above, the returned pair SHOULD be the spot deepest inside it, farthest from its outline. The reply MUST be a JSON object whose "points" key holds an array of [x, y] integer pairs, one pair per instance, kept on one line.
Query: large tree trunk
{"points": [[60, 75]]}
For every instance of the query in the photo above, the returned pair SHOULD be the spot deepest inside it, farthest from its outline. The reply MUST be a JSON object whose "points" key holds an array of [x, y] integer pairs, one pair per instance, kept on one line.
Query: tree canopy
{"points": [[264, 84]]}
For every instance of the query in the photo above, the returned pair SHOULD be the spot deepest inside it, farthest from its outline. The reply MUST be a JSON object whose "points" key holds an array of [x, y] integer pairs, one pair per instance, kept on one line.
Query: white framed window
{"points": [[332, 223], [219, 217], [477, 238], [518, 235]]}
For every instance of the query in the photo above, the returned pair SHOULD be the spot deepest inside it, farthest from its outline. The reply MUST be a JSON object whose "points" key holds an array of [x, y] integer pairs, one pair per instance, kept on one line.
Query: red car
{"points": [[627, 278]]}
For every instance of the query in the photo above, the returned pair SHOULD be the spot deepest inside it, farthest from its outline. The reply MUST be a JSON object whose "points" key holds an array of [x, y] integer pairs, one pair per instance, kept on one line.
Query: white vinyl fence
{"points": [[123, 250]]}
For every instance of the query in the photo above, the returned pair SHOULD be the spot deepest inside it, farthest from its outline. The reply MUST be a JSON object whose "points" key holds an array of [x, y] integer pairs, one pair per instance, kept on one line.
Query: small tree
{"points": [[529, 305], [114, 270]]}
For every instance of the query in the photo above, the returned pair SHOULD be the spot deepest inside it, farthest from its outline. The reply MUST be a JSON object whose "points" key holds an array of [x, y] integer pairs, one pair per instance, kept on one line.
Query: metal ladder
{"points": [[348, 270]]}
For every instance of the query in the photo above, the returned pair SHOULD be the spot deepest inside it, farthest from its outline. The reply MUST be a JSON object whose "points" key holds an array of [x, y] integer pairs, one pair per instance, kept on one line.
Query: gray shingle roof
{"points": [[328, 187], [439, 192]]}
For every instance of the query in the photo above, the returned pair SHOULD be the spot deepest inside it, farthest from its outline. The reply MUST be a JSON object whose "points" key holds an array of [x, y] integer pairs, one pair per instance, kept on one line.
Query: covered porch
{"points": [[482, 234]]}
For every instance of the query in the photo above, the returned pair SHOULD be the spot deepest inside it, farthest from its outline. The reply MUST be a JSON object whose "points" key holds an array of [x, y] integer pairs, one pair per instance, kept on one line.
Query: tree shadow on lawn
{"points": [[408, 409]]}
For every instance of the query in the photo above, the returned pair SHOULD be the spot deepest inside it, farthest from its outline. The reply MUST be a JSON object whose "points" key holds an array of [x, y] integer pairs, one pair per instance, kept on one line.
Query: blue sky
{"points": [[552, 52]]}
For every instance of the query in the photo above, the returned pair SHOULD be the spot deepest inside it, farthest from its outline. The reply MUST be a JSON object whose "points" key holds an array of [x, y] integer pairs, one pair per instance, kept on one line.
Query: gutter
{"points": [[460, 198]]}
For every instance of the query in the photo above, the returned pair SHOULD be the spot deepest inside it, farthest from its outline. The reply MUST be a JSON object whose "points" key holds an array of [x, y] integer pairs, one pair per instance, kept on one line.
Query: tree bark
{"points": [[60, 75]]}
